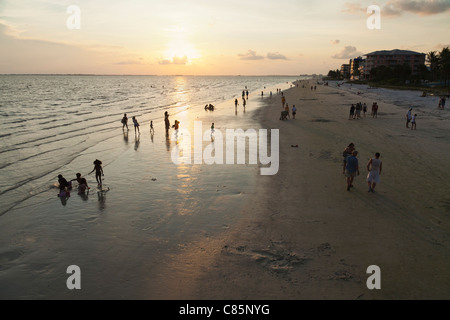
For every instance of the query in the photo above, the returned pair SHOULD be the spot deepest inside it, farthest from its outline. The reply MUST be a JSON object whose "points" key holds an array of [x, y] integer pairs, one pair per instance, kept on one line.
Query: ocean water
{"points": [[130, 238], [48, 122]]}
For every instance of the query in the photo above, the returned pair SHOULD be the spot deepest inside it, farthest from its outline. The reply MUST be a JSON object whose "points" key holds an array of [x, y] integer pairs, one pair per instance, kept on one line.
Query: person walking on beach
{"points": [[124, 122], [294, 111], [98, 171], [442, 103], [351, 169], [374, 167], [283, 100], [236, 103], [408, 117], [151, 127], [352, 112], [413, 122], [358, 111], [348, 151], [136, 125], [375, 110], [364, 109], [287, 111]]}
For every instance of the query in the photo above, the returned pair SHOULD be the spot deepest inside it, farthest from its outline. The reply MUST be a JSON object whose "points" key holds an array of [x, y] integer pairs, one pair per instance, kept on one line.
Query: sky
{"points": [[199, 37]]}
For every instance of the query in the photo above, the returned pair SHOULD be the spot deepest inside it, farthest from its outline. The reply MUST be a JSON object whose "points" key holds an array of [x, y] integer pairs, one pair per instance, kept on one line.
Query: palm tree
{"points": [[444, 63], [433, 61]]}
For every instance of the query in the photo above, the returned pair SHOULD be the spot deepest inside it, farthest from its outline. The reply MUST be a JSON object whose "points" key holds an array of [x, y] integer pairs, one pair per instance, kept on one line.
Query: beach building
{"points": [[345, 71], [391, 58], [357, 68]]}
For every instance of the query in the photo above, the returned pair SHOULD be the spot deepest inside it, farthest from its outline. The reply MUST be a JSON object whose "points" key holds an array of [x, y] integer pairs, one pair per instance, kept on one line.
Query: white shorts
{"points": [[373, 177]]}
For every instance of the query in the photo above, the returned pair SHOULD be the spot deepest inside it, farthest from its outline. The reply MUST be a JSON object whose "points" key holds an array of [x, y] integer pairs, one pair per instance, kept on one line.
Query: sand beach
{"points": [[304, 236], [231, 233]]}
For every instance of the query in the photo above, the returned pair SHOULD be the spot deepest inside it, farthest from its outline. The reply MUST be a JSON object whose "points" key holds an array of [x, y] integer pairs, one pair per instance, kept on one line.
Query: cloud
{"points": [[353, 8], [399, 7], [250, 55], [276, 56], [175, 60], [349, 52], [419, 7], [335, 42]]}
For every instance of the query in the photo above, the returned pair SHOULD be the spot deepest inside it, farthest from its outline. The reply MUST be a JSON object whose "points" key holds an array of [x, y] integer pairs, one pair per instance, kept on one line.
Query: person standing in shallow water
{"points": [[136, 125], [124, 122], [98, 171], [167, 122]]}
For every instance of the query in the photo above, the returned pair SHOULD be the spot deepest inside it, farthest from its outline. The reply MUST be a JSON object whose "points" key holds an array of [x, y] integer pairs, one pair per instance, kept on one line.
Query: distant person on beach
{"points": [[246, 93], [351, 169], [375, 110], [358, 110], [166, 121], [63, 184], [294, 111], [82, 183], [442, 103], [283, 100], [151, 127], [352, 112], [413, 122], [212, 128], [374, 167], [364, 109], [124, 122], [236, 103], [287, 110], [98, 171], [136, 125], [408, 117]]}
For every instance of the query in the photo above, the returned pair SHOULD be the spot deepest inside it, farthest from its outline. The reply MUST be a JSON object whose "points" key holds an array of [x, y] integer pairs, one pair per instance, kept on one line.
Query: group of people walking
{"points": [[351, 168], [125, 123], [356, 109]]}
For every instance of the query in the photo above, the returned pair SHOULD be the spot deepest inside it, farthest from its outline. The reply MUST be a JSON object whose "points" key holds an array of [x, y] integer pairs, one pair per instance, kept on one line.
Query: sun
{"points": [[179, 49]]}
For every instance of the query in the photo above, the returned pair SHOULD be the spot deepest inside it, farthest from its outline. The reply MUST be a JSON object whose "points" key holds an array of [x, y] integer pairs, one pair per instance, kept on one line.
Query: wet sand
{"points": [[304, 236]]}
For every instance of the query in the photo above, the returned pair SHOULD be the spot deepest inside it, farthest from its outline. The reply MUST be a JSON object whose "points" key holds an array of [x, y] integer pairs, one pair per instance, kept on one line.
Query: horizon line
{"points": [[154, 75]]}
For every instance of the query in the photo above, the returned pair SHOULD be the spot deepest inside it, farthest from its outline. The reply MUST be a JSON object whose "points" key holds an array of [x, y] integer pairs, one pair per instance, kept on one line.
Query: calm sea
{"points": [[48, 121]]}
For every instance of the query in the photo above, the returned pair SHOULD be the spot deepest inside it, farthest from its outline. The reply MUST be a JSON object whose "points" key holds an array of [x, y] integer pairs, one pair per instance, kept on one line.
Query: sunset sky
{"points": [[199, 37]]}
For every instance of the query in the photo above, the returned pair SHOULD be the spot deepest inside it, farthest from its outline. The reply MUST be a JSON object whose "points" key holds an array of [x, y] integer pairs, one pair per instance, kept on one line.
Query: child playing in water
{"points": [[98, 171]]}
